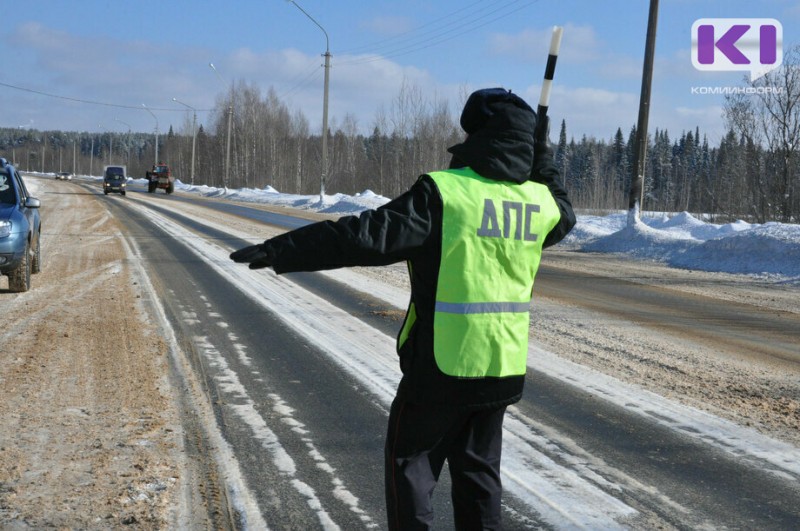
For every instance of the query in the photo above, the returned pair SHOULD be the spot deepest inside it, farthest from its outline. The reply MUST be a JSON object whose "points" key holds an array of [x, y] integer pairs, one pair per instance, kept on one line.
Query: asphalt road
{"points": [[738, 328], [250, 360]]}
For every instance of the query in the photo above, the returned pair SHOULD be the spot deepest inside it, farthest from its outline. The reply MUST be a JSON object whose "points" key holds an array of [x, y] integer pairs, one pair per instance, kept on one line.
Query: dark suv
{"points": [[20, 227]]}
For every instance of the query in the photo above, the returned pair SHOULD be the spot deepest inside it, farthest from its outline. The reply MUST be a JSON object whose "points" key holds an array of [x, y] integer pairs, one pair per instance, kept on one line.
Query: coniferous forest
{"points": [[752, 173]]}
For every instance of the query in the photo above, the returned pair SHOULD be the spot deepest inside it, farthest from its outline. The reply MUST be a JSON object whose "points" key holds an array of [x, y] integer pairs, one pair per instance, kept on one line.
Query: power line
{"points": [[379, 44], [473, 21], [90, 102], [307, 79]]}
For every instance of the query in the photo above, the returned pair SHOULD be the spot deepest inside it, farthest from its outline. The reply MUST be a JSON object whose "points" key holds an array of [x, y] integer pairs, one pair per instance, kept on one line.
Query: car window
{"points": [[23, 191], [7, 194]]}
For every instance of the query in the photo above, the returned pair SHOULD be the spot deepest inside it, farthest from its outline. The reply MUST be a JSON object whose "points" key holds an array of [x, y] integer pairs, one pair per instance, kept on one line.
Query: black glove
{"points": [[541, 135], [541, 143], [258, 256]]}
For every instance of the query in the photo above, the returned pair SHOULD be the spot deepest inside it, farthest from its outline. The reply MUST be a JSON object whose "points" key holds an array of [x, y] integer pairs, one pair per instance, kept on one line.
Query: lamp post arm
{"points": [[327, 41]]}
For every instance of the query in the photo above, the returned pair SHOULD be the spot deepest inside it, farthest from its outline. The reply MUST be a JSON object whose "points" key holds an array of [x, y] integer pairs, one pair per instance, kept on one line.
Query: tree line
{"points": [[752, 173]]}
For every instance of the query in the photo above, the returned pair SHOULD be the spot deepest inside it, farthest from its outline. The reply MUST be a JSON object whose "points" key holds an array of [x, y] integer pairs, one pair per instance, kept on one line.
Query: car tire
{"points": [[36, 264], [19, 280], [123, 193], [105, 192]]}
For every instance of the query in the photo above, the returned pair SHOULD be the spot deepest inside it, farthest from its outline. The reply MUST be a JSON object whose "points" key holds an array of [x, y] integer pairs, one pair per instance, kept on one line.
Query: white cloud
{"points": [[582, 46], [594, 112], [388, 26]]}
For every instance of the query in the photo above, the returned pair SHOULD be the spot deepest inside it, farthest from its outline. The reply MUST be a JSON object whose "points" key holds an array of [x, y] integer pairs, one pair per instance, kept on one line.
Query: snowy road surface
{"points": [[301, 385]]}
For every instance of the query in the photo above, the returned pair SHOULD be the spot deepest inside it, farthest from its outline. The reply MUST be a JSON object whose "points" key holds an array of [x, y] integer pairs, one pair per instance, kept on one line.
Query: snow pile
{"points": [[330, 204], [772, 248], [687, 242]]}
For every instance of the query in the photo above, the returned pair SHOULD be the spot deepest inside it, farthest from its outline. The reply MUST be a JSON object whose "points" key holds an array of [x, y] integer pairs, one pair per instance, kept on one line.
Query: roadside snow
{"points": [[678, 240]]}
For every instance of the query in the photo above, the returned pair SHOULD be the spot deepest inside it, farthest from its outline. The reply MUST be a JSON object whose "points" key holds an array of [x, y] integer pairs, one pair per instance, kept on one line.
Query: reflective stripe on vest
{"points": [[481, 307], [492, 235]]}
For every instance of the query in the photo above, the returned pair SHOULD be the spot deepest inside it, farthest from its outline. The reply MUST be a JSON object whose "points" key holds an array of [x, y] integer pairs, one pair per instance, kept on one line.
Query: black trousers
{"points": [[419, 439]]}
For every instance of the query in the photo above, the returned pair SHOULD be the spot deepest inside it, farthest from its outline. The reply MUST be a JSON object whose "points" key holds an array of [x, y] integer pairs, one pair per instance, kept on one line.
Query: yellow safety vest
{"points": [[492, 236]]}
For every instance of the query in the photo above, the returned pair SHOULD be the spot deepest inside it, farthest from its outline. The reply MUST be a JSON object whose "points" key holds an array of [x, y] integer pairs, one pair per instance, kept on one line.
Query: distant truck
{"points": [[160, 177]]}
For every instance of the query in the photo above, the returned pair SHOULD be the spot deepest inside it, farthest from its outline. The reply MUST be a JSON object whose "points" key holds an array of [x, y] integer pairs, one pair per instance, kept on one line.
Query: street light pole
{"points": [[230, 117], [128, 142], [327, 56], [156, 118], [194, 132]]}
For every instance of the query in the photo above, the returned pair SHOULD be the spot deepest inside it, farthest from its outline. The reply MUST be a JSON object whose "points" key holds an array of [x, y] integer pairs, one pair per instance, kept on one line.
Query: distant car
{"points": [[20, 227], [64, 175], [114, 180]]}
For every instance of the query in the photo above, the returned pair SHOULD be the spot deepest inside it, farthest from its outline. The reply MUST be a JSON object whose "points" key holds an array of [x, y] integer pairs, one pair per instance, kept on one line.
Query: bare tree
{"points": [[768, 115]]}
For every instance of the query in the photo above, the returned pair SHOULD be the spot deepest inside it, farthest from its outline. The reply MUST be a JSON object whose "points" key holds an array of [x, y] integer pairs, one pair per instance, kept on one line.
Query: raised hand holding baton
{"points": [[552, 57]]}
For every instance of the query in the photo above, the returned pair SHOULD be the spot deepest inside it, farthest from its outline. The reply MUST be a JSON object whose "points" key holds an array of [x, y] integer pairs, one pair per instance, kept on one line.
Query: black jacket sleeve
{"points": [[545, 172], [392, 233]]}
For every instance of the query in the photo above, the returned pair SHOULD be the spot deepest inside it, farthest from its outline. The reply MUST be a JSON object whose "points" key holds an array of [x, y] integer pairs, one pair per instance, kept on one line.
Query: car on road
{"points": [[64, 176], [20, 228], [114, 180]]}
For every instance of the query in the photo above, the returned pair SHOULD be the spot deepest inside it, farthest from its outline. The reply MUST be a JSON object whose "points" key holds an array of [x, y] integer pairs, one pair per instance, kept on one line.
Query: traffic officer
{"points": [[472, 235]]}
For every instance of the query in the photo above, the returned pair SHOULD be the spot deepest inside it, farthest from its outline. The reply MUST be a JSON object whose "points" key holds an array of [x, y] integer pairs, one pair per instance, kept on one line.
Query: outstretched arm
{"points": [[389, 234]]}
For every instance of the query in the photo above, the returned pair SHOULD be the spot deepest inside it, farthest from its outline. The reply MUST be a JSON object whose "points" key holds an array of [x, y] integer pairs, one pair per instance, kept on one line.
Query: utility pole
{"points": [[636, 197], [156, 118], [324, 175]]}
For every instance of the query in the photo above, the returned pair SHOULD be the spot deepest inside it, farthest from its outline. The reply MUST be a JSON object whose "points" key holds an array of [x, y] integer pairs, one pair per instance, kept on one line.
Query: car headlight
{"points": [[123, 185], [5, 228]]}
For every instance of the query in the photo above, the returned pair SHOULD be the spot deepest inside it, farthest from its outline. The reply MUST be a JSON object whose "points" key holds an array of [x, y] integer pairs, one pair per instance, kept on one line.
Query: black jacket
{"points": [[409, 228]]}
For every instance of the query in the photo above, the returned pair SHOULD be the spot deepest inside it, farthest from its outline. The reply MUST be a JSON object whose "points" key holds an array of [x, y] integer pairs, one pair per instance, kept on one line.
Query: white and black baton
{"points": [[552, 57]]}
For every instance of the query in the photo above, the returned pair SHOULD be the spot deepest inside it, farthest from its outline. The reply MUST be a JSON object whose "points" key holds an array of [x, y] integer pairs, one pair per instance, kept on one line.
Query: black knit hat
{"points": [[483, 104]]}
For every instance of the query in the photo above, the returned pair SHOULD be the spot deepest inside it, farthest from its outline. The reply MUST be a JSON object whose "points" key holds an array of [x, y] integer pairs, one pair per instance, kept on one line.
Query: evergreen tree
{"points": [[562, 151], [619, 161]]}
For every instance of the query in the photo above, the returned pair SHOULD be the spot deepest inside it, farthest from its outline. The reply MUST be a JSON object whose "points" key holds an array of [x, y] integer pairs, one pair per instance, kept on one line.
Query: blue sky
{"points": [[122, 54]]}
